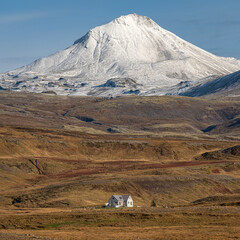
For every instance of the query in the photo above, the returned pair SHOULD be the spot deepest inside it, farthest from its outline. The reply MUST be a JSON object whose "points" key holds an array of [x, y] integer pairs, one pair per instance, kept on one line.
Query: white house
{"points": [[120, 201]]}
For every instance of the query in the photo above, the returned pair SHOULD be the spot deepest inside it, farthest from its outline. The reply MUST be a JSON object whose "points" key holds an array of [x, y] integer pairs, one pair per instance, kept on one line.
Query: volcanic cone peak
{"points": [[135, 37], [134, 18], [131, 46]]}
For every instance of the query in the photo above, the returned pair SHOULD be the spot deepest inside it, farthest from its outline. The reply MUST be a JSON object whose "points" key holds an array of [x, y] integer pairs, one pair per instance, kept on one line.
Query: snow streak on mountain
{"points": [[130, 55]]}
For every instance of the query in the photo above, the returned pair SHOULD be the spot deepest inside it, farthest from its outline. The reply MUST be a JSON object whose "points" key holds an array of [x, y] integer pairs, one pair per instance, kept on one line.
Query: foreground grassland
{"points": [[53, 185], [62, 158], [145, 223]]}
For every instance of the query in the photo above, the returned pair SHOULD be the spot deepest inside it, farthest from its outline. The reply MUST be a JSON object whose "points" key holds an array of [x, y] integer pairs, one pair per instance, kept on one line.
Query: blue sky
{"points": [[30, 29]]}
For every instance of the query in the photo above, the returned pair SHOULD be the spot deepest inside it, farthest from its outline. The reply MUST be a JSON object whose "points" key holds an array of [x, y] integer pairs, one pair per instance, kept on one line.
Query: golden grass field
{"points": [[62, 158]]}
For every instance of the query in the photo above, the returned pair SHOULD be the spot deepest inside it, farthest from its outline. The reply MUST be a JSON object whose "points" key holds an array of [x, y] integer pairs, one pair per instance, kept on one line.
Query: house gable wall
{"points": [[120, 201]]}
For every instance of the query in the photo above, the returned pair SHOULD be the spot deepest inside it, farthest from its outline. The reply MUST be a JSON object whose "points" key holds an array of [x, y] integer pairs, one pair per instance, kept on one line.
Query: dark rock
{"points": [[120, 82], [111, 130], [208, 129], [97, 123], [85, 119], [49, 92], [132, 92]]}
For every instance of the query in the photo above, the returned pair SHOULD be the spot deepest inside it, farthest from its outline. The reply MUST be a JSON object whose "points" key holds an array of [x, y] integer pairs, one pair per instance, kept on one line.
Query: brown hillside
{"points": [[61, 159], [161, 116]]}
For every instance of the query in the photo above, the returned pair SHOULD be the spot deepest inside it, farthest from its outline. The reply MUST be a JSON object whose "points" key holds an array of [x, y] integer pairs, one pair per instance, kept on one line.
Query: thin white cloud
{"points": [[21, 17]]}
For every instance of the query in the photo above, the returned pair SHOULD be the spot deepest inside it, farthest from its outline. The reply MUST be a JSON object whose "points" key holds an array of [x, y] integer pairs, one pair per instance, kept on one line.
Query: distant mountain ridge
{"points": [[227, 85], [130, 47]]}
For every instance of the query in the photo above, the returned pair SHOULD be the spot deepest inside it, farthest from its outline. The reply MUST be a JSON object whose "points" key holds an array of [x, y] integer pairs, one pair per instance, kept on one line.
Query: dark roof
{"points": [[121, 197], [118, 197], [125, 197]]}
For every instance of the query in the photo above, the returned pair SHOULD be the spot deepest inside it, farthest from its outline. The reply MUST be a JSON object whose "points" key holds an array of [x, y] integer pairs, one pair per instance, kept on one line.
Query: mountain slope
{"points": [[225, 86], [131, 46]]}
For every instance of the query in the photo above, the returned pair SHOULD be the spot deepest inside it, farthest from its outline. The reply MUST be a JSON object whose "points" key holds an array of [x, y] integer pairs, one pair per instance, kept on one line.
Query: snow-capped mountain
{"points": [[226, 86], [130, 55]]}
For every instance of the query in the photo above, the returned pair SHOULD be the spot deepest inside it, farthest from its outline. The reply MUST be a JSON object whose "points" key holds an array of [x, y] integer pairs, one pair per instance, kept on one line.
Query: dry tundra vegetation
{"points": [[61, 158]]}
